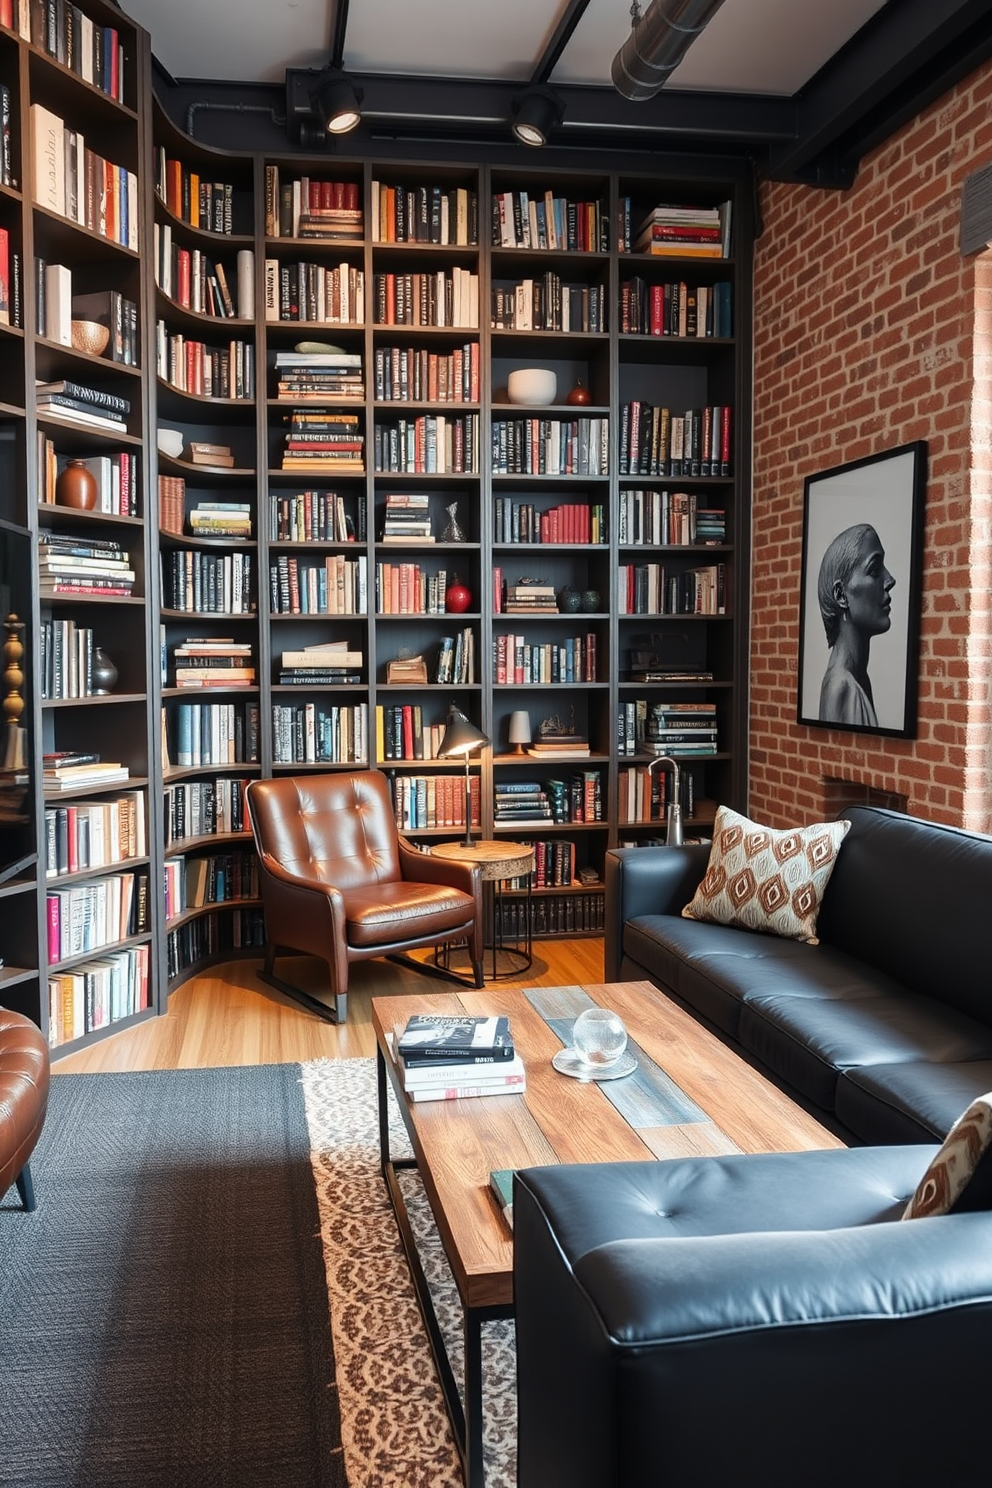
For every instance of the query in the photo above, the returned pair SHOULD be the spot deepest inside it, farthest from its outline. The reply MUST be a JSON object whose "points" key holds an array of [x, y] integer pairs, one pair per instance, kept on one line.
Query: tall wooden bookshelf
{"points": [[243, 557]]}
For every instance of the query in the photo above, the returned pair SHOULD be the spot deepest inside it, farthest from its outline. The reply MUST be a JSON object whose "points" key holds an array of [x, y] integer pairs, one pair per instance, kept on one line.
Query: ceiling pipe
{"points": [[657, 44]]}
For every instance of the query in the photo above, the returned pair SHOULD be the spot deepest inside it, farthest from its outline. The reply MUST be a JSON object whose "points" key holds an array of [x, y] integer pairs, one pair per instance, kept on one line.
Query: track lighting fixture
{"points": [[338, 101], [535, 114]]}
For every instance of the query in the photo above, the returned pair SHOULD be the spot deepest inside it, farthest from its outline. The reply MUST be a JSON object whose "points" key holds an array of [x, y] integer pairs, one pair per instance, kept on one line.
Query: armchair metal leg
{"points": [[480, 980], [335, 1011], [25, 1187]]}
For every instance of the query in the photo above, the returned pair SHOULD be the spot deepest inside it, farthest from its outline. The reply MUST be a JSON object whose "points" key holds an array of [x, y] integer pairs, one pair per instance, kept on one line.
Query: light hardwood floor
{"points": [[227, 1016]]}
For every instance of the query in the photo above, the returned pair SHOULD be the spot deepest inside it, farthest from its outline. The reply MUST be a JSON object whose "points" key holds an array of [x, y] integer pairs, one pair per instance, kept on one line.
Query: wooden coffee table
{"points": [[690, 1096]]}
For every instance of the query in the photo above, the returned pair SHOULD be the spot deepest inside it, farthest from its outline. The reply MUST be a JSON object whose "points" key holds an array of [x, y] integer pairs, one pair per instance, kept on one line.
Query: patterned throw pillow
{"points": [[963, 1163], [759, 878]]}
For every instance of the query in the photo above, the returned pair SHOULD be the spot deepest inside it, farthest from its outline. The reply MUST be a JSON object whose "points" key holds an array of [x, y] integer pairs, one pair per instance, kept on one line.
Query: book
{"points": [[438, 1076], [468, 1091], [473, 1039], [501, 1183]]}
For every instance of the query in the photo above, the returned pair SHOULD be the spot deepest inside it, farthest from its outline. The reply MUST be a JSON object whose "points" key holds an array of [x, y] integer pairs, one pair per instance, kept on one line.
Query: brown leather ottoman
{"points": [[24, 1075]]}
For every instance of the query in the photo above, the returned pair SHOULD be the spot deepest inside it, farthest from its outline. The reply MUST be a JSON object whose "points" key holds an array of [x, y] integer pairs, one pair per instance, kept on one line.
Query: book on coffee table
{"points": [[431, 1038], [446, 1079], [501, 1183]]}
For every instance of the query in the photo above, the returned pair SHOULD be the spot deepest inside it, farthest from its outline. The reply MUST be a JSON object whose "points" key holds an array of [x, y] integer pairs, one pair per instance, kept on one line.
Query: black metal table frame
{"points": [[465, 1418]]}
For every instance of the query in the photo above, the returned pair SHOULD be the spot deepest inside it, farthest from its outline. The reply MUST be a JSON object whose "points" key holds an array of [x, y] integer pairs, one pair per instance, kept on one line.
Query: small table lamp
{"points": [[461, 737], [519, 734]]}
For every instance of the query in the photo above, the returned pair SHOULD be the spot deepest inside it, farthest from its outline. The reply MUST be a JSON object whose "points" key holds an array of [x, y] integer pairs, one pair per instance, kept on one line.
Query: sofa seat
{"points": [[911, 1102], [697, 1322]]}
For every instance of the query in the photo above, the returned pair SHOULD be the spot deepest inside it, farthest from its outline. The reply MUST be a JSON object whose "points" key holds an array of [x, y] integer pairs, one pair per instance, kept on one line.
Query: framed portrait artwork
{"points": [[859, 636]]}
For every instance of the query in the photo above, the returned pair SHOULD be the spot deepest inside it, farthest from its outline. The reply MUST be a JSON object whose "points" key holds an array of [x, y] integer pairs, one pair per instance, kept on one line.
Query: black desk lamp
{"points": [[461, 737]]}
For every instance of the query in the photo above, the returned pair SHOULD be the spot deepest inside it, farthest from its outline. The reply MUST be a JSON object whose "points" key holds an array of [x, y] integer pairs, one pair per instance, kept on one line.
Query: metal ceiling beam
{"points": [[339, 34], [910, 52], [550, 57]]}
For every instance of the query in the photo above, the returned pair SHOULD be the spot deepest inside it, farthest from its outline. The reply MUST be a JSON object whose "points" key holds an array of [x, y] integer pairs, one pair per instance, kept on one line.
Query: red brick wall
{"points": [[870, 331]]}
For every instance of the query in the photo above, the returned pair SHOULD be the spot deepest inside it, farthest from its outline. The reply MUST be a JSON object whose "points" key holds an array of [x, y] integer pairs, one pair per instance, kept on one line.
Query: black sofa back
{"points": [[914, 899]]}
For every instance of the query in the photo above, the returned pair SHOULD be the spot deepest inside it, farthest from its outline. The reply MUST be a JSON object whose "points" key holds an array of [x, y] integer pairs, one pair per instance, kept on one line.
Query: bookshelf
{"points": [[337, 522]]}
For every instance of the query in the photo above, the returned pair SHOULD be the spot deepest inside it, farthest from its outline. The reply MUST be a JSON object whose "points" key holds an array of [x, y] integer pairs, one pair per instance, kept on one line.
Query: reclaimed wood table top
{"points": [[495, 859], [690, 1096]]}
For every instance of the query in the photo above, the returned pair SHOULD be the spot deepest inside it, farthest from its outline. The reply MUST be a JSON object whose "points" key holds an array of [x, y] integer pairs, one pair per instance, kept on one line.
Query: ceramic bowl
{"points": [[171, 441], [532, 386], [89, 335]]}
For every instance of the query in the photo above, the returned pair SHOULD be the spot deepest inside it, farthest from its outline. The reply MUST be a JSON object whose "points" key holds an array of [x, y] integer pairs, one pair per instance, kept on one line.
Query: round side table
{"points": [[499, 861]]}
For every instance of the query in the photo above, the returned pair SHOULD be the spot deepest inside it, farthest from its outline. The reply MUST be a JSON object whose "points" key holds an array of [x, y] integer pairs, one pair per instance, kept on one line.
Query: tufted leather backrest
{"points": [[335, 828]]}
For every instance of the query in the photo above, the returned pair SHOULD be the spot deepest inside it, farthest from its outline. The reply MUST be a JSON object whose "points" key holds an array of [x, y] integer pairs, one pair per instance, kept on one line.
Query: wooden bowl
{"points": [[89, 335]]}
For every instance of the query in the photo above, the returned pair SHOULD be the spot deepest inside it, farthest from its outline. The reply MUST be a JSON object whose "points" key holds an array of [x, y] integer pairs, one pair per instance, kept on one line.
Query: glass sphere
{"points": [[599, 1036]]}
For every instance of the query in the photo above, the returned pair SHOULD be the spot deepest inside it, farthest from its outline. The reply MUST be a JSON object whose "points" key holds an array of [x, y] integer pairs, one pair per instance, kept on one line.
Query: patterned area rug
{"points": [[394, 1427]]}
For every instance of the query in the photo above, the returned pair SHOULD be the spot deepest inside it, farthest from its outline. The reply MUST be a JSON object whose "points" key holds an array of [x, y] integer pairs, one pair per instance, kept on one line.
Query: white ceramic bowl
{"points": [[532, 386], [171, 441]]}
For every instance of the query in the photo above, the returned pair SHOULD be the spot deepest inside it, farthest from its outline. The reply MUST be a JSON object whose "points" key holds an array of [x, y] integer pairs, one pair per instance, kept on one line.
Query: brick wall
{"points": [[871, 331]]}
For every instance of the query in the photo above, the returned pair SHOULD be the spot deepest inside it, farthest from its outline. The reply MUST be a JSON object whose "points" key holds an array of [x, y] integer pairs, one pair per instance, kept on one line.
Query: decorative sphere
{"points": [[590, 601], [457, 598], [569, 601], [599, 1036]]}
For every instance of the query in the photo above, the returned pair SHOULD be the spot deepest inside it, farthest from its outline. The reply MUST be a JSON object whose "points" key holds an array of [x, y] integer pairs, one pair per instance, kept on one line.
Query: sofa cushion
{"points": [[958, 1177], [763, 878], [913, 1102], [808, 1040]]}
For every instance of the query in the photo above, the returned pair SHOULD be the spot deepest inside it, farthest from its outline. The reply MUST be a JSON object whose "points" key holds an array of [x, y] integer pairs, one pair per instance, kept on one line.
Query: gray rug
{"points": [[164, 1312]]}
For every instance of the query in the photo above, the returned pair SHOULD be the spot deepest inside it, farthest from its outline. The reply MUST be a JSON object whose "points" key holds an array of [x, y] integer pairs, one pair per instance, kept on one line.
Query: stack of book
{"points": [[681, 728], [407, 518], [70, 769], [323, 439], [331, 661], [83, 405], [449, 1057], [200, 452], [521, 801], [205, 661], [550, 745], [319, 376], [530, 597], [220, 519], [685, 232], [70, 563]]}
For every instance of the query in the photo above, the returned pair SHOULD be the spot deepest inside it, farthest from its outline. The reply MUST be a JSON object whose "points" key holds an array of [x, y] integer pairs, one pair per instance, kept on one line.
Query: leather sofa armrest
{"points": [[642, 881]]}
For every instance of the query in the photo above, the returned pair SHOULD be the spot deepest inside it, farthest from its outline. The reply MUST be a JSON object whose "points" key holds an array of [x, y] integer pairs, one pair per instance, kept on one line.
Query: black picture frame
{"points": [[861, 579]]}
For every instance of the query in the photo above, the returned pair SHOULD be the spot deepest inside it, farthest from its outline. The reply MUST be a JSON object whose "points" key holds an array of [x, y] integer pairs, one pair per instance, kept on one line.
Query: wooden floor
{"points": [[227, 1016]]}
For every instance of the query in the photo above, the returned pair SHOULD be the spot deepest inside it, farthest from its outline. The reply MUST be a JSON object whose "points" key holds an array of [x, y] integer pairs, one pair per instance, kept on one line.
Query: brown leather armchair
{"points": [[338, 881], [24, 1080]]}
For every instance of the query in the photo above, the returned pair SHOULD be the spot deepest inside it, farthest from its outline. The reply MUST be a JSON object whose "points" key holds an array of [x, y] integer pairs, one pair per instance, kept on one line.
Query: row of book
{"points": [[197, 282], [456, 658], [196, 734], [576, 798], [58, 305], [675, 308], [211, 878], [655, 441], [97, 995], [423, 801], [412, 374], [443, 297], [555, 223], [402, 734], [97, 913], [639, 719], [550, 446], [66, 659], [93, 52], [207, 205], [207, 583], [653, 589], [425, 214], [566, 522], [312, 733], [519, 661], [548, 304], [431, 444], [336, 586], [69, 563], [192, 366], [652, 518], [408, 589], [210, 935], [116, 476], [297, 208], [204, 808], [557, 914], [11, 283], [94, 834], [73, 181], [307, 291], [315, 516]]}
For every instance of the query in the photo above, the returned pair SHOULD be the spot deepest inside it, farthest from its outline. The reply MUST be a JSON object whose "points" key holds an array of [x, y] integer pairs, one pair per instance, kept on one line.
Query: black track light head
{"points": [[535, 114]]}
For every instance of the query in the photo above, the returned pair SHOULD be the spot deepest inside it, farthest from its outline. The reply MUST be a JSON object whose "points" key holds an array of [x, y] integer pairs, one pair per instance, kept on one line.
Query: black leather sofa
{"points": [[885, 1026]]}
